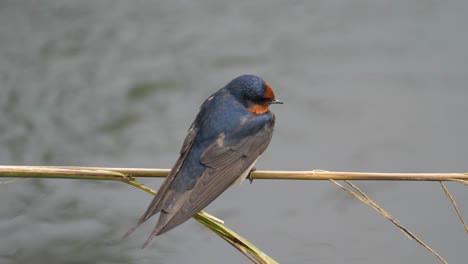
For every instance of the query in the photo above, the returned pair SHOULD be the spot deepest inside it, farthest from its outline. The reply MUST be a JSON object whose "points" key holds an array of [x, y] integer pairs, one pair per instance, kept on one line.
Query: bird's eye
{"points": [[262, 101]]}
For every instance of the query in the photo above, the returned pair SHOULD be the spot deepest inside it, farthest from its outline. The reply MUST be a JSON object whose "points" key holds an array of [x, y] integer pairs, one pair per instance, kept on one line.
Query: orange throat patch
{"points": [[258, 109]]}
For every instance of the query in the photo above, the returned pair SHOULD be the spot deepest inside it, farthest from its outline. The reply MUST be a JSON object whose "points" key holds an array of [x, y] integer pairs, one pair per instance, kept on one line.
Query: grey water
{"points": [[378, 86]]}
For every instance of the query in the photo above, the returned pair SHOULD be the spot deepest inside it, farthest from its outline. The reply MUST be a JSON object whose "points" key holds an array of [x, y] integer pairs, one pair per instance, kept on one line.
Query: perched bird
{"points": [[231, 131]]}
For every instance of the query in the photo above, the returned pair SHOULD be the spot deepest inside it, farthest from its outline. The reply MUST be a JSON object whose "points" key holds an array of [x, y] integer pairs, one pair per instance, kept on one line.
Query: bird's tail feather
{"points": [[134, 227], [153, 234], [152, 210]]}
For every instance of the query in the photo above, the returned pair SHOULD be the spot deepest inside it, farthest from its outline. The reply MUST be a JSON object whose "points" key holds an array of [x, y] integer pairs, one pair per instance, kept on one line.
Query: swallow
{"points": [[232, 129]]}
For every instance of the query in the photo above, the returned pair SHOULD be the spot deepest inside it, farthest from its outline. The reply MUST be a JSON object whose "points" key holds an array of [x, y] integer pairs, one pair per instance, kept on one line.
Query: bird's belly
{"points": [[244, 174]]}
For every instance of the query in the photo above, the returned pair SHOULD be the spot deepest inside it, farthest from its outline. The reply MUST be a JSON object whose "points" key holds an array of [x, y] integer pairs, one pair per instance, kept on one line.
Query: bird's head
{"points": [[253, 92]]}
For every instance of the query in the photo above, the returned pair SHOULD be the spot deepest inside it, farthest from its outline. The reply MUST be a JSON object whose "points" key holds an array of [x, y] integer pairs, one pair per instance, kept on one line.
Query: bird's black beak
{"points": [[275, 101]]}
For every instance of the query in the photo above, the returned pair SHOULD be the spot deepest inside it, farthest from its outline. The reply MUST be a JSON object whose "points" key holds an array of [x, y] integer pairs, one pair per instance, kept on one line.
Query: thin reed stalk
{"points": [[123, 174], [128, 175]]}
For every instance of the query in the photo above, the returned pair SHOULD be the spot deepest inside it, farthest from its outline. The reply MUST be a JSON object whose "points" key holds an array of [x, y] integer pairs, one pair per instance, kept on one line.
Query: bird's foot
{"points": [[250, 175]]}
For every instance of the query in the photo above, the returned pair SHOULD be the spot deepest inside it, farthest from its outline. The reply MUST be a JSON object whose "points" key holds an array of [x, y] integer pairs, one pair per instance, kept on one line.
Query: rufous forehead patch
{"points": [[269, 92]]}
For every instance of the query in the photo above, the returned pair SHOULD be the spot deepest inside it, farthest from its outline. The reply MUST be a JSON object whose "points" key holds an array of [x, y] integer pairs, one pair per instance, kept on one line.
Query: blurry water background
{"points": [[367, 85]]}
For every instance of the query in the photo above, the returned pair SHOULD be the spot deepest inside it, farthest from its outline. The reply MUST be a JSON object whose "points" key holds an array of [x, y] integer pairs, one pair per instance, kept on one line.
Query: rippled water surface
{"points": [[367, 86]]}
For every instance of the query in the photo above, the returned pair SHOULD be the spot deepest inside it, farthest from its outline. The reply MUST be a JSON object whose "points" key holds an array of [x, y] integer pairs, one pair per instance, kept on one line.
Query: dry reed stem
{"points": [[98, 173], [12, 181], [454, 204], [128, 176], [365, 199]]}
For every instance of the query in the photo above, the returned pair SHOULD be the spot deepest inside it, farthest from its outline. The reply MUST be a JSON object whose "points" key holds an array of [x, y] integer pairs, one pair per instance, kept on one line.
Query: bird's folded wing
{"points": [[225, 164]]}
